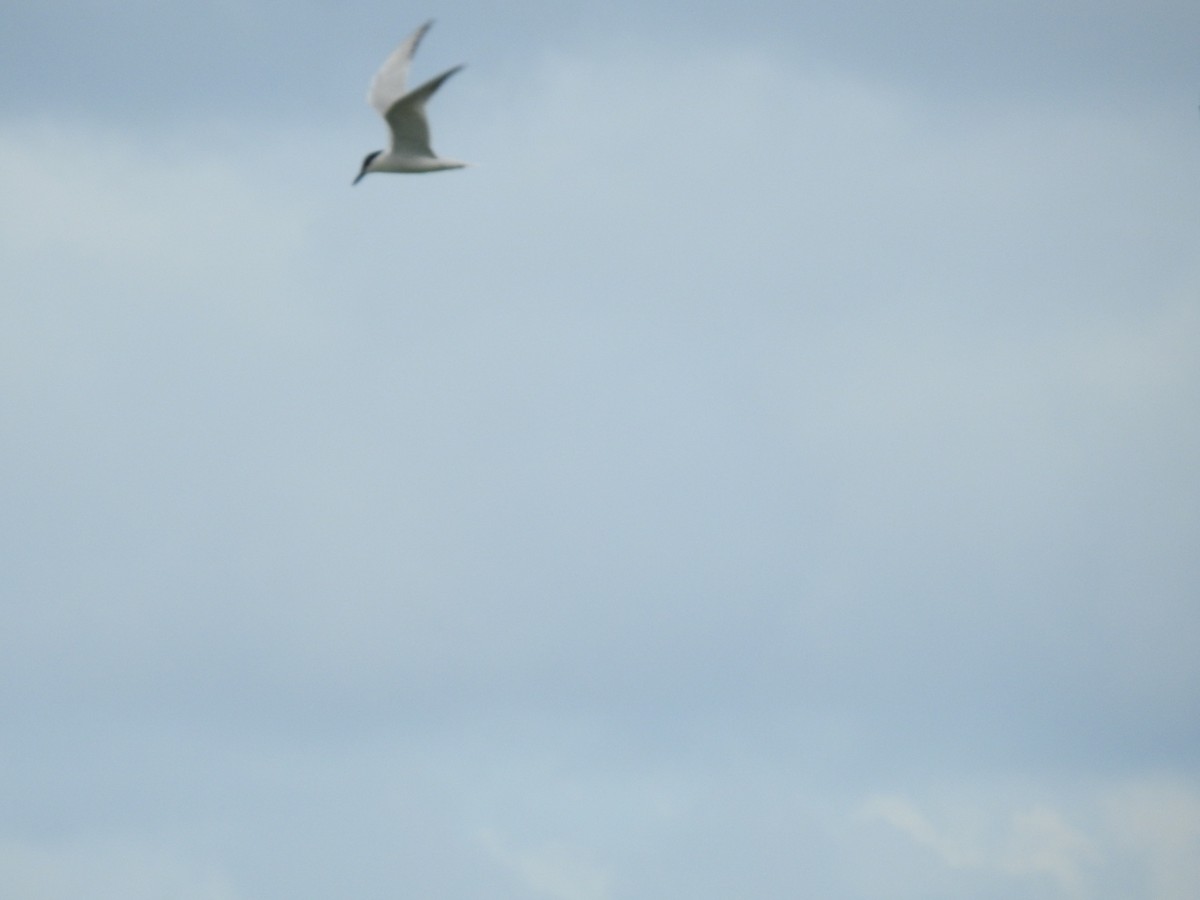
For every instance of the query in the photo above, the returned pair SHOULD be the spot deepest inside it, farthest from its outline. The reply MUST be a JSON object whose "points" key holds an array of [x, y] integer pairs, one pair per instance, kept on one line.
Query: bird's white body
{"points": [[409, 150], [391, 162]]}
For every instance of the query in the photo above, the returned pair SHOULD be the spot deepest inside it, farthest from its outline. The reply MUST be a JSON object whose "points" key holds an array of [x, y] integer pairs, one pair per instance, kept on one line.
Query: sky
{"points": [[769, 471]]}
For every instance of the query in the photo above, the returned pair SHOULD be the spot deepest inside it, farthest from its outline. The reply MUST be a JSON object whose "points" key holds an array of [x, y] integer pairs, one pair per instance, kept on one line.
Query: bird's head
{"points": [[366, 166]]}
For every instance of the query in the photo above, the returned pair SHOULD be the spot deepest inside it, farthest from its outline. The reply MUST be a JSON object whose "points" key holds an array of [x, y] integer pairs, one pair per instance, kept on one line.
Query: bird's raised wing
{"points": [[388, 84], [406, 118]]}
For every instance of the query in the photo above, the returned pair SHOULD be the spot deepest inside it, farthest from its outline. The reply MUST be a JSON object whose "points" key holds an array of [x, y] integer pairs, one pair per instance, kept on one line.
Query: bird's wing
{"points": [[406, 118], [388, 84]]}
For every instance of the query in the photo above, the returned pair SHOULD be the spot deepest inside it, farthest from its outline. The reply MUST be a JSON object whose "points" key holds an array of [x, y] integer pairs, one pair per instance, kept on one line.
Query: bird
{"points": [[405, 115]]}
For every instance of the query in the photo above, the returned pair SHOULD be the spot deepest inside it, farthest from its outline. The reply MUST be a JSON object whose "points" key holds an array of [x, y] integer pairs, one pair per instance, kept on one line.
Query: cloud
{"points": [[143, 219], [244, 59], [1120, 838], [105, 870], [710, 457], [792, 369], [554, 872], [1034, 843], [1157, 820]]}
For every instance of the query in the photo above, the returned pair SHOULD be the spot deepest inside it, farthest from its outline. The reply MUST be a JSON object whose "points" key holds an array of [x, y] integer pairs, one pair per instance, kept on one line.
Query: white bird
{"points": [[405, 115]]}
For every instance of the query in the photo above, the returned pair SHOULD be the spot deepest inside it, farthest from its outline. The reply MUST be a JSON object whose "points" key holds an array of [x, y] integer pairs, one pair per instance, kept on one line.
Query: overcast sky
{"points": [[772, 471]]}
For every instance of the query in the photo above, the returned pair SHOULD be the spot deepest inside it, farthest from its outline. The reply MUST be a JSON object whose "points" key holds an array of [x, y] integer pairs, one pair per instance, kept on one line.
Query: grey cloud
{"points": [[618, 515], [146, 62]]}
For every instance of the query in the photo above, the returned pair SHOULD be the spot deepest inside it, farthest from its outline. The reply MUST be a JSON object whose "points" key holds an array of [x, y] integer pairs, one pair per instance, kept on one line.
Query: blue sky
{"points": [[770, 471]]}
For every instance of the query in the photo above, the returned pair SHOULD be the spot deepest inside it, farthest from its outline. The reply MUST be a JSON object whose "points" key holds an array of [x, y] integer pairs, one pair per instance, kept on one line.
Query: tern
{"points": [[405, 115]]}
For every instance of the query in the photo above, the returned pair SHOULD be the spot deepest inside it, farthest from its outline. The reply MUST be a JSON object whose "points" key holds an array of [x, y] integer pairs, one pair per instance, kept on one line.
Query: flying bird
{"points": [[405, 115]]}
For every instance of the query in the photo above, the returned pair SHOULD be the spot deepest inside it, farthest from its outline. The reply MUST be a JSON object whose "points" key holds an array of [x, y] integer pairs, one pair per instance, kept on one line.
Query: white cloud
{"points": [[101, 227], [1041, 843], [952, 849], [1156, 821], [554, 871], [161, 205], [104, 869], [1135, 838]]}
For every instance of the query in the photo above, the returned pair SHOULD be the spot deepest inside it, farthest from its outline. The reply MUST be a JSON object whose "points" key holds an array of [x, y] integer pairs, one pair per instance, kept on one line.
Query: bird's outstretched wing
{"points": [[388, 84], [406, 118]]}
